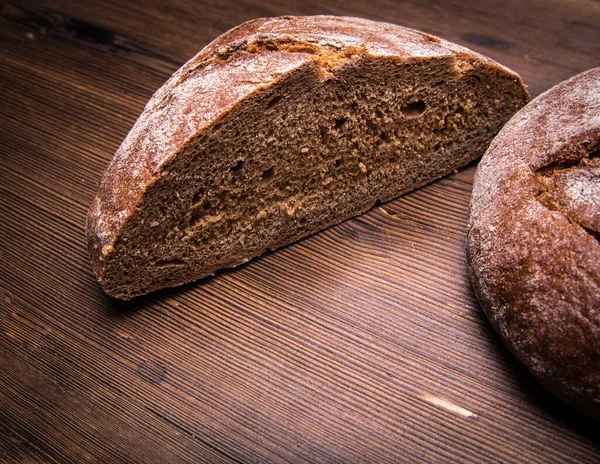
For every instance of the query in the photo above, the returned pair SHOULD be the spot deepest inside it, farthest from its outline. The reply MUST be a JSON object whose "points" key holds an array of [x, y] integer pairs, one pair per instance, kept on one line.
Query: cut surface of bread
{"points": [[280, 128]]}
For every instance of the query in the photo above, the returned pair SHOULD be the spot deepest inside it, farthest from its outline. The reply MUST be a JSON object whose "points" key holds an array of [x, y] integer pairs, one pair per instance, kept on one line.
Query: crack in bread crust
{"points": [[573, 189]]}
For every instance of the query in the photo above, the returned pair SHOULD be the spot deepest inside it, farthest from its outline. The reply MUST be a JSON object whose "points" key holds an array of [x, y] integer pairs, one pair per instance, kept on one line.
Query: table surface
{"points": [[362, 343]]}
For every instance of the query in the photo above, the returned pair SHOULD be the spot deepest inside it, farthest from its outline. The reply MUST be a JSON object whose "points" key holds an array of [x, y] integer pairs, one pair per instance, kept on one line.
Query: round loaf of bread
{"points": [[533, 249]]}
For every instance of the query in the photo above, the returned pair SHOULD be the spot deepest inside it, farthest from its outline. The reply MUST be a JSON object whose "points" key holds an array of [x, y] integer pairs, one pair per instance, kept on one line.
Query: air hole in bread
{"points": [[198, 196], [195, 217], [339, 122], [386, 137], [235, 170], [267, 176], [414, 109], [273, 101]]}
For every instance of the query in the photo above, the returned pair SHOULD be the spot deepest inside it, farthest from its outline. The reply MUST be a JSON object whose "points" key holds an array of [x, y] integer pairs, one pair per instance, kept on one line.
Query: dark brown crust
{"points": [[533, 257], [278, 46]]}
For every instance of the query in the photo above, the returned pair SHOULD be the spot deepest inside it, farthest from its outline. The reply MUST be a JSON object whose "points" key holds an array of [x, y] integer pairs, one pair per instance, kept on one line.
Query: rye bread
{"points": [[282, 127], [533, 249]]}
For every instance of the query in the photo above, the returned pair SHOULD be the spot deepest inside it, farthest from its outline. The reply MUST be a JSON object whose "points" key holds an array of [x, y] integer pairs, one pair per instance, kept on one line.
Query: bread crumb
{"points": [[107, 249], [362, 168], [271, 140], [304, 150]]}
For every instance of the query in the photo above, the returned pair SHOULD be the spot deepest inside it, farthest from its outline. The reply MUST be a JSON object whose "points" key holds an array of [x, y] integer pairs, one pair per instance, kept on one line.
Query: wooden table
{"points": [[363, 343]]}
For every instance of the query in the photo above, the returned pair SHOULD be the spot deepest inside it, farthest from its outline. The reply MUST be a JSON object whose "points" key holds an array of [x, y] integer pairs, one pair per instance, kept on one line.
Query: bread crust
{"points": [[209, 86], [533, 249]]}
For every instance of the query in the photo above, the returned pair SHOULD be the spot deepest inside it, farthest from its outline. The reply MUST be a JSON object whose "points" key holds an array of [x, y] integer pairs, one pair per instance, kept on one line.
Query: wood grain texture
{"points": [[362, 343]]}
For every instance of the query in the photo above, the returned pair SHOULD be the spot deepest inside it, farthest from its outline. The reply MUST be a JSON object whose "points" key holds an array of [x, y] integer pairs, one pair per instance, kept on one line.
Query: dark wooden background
{"points": [[363, 343]]}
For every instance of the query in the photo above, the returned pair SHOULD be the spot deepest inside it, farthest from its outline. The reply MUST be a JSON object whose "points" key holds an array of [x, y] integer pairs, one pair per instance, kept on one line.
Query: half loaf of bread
{"points": [[282, 127]]}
